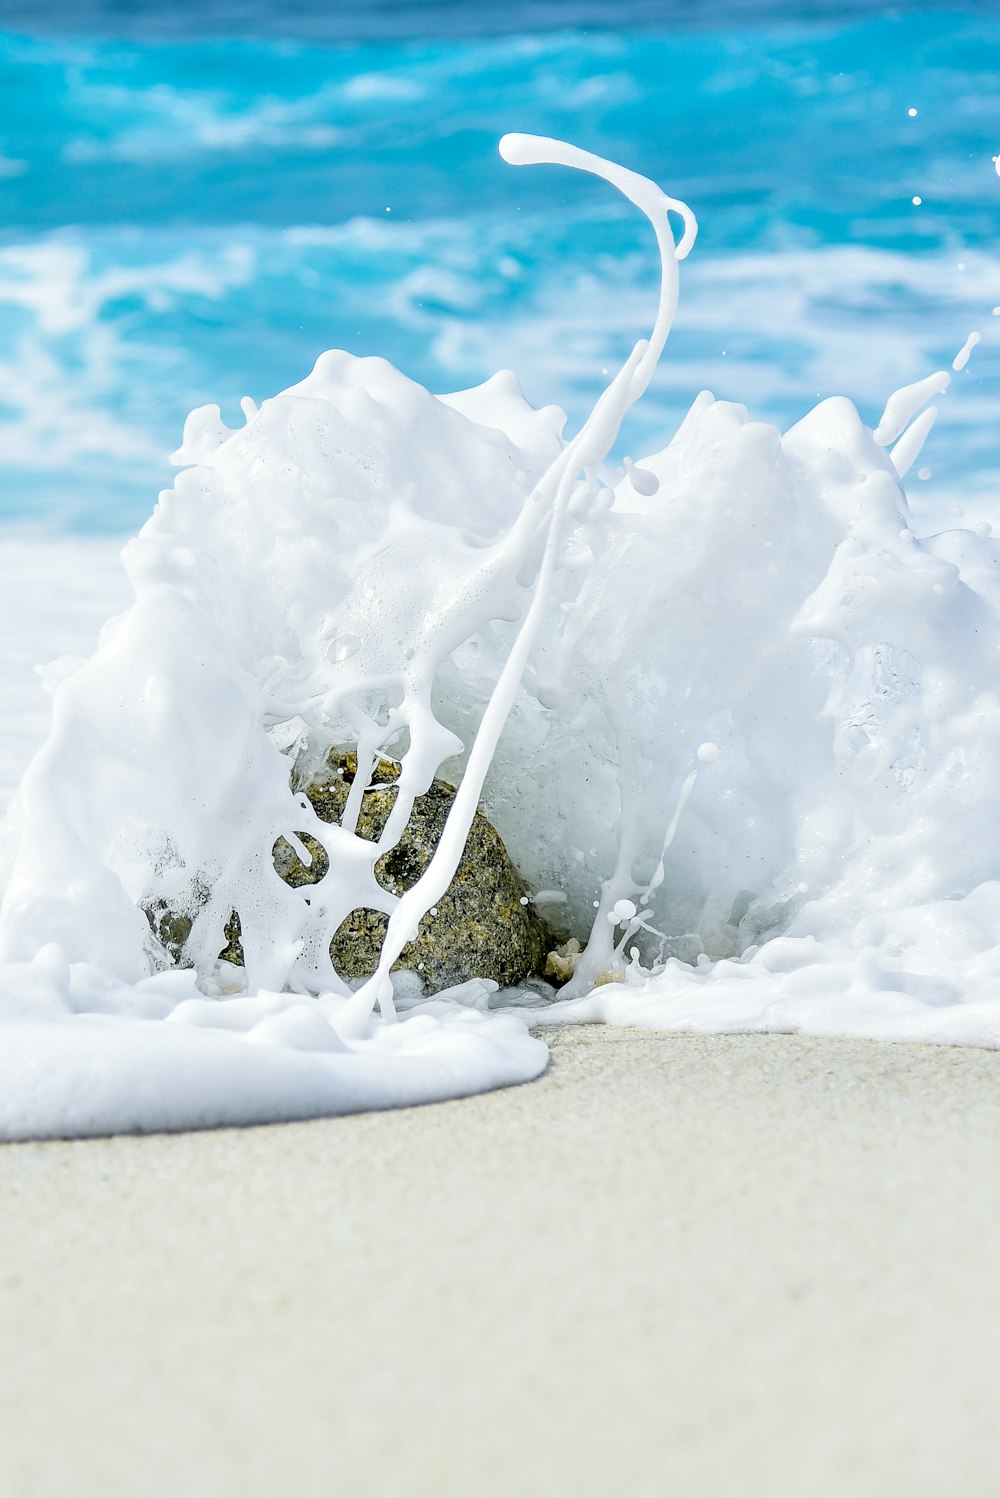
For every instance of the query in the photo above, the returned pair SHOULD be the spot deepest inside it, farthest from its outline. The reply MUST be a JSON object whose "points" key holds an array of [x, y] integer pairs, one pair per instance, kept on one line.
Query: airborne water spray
{"points": [[573, 476]]}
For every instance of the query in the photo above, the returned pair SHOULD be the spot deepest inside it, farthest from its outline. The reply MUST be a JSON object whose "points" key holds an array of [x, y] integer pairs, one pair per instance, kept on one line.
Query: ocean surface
{"points": [[196, 200]]}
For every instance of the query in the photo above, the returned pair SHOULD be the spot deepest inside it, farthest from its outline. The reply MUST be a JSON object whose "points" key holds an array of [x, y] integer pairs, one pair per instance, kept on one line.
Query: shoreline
{"points": [[727, 1264]]}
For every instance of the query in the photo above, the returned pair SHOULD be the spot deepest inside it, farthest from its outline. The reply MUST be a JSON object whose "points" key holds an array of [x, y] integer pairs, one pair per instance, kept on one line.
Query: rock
{"points": [[482, 927], [170, 929]]}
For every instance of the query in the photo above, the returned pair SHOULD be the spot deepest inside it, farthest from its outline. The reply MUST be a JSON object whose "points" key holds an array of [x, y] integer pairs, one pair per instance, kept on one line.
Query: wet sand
{"points": [[676, 1265]]}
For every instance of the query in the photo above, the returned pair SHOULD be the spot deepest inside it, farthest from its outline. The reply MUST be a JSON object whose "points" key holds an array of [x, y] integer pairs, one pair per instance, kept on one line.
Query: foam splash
{"points": [[726, 706]]}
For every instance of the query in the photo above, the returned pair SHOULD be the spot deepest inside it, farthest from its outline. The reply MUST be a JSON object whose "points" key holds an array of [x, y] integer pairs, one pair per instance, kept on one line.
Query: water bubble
{"points": [[343, 647], [708, 753], [624, 911]]}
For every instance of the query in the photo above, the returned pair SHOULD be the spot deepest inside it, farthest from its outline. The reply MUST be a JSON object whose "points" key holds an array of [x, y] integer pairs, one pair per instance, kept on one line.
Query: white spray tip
{"points": [[910, 444], [525, 150], [543, 150], [641, 479], [903, 405], [961, 359]]}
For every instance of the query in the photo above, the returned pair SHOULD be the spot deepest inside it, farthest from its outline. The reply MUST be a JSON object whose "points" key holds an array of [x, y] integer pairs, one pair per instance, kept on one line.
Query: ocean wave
{"points": [[92, 337], [382, 20], [766, 125], [107, 337]]}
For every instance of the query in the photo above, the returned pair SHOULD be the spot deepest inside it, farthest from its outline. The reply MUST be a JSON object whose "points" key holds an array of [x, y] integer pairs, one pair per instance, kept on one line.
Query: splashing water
{"points": [[724, 706]]}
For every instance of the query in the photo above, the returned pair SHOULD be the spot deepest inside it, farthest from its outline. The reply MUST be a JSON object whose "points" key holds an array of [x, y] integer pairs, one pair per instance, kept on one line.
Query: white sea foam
{"points": [[172, 123], [727, 706], [83, 1054]]}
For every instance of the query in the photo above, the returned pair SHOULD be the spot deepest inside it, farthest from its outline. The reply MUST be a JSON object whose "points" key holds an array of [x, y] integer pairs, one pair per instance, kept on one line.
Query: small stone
{"points": [[561, 961]]}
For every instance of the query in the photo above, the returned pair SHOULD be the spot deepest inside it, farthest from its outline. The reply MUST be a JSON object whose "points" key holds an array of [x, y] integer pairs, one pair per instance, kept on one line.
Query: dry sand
{"points": [[675, 1265]]}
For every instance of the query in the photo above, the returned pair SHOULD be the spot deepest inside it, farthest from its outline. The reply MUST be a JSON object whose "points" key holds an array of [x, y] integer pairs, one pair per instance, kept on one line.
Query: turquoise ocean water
{"points": [[194, 202]]}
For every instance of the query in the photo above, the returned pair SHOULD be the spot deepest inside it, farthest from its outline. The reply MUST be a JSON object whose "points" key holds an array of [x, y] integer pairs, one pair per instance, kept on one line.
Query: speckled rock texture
{"points": [[482, 927], [479, 928]]}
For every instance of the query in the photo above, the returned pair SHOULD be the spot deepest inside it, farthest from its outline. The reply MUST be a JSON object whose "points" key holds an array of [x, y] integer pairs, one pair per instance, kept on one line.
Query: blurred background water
{"points": [[196, 199]]}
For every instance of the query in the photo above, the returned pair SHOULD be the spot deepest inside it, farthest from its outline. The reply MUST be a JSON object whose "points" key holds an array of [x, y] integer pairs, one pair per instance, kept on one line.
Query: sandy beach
{"points": [[736, 1265]]}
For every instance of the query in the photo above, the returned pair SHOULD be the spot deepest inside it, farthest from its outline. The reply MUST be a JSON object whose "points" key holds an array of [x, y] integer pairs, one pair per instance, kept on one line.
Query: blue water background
{"points": [[193, 204]]}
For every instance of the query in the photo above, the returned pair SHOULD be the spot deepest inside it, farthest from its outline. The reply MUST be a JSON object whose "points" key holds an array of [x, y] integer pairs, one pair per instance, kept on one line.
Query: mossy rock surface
{"points": [[482, 927]]}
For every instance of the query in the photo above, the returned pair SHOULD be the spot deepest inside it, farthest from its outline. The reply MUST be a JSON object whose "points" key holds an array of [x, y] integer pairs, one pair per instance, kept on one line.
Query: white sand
{"points": [[751, 1265]]}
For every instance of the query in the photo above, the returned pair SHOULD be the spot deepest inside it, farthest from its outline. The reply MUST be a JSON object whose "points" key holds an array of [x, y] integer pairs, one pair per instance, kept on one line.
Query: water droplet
{"points": [[644, 482]]}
